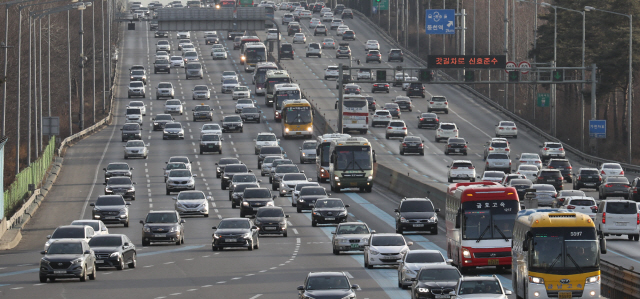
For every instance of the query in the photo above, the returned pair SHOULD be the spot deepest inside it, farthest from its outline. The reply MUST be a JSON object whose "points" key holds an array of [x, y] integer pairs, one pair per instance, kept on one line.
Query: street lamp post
{"points": [[630, 83]]}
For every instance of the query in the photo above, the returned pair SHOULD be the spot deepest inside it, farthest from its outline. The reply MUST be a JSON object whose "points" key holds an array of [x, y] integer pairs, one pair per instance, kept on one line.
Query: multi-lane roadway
{"points": [[275, 270]]}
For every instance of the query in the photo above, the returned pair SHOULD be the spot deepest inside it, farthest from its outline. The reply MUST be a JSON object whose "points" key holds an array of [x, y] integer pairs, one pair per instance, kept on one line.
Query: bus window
{"points": [[353, 158], [298, 115]]}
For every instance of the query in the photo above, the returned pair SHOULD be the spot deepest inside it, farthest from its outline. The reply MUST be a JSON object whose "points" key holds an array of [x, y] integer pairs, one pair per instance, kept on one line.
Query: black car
{"points": [[231, 123], [160, 120], [235, 232], [328, 210], [416, 90], [224, 162], [131, 131], [68, 259], [153, 25], [393, 109], [428, 120], [587, 178], [111, 209], [269, 151], [338, 9], [372, 55], [384, 87], [521, 186], [117, 169], [395, 54], [202, 112], [416, 214], [236, 193], [352, 89], [551, 177], [113, 250], [317, 7], [327, 285], [347, 14], [564, 166], [231, 170], [286, 51], [371, 103], [349, 35], [250, 114], [308, 197], [293, 29], [435, 280], [120, 186], [161, 33], [164, 227], [456, 146], [162, 65], [411, 144], [255, 198], [404, 103]]}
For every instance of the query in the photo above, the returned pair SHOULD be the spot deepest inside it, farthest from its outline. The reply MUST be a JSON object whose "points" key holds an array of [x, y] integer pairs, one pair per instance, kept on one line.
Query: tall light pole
{"points": [[630, 83], [93, 42]]}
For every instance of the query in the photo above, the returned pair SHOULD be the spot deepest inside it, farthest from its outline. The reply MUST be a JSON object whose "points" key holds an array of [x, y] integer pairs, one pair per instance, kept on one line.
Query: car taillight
{"points": [[579, 178], [446, 103], [448, 145], [635, 189], [608, 185], [465, 146], [487, 163], [420, 145], [437, 119], [367, 119], [622, 172], [540, 178], [538, 162], [550, 167], [390, 128], [509, 163], [386, 85], [472, 167], [431, 103], [546, 148], [571, 207], [455, 167], [594, 209], [600, 178], [513, 129], [637, 218], [490, 148], [569, 167], [455, 130], [602, 172], [604, 217], [500, 128], [404, 144], [422, 119], [561, 149], [404, 128], [506, 149]]}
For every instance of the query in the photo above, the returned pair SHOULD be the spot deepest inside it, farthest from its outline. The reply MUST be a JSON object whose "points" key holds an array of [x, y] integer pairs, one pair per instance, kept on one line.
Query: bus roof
{"points": [[485, 192], [351, 141], [277, 73], [300, 102], [267, 64], [254, 45], [332, 136], [287, 86], [556, 219], [454, 186]]}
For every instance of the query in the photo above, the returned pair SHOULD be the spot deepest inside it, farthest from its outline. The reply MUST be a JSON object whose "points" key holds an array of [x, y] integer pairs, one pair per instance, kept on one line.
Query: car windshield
{"points": [[211, 127], [479, 287], [327, 283], [65, 248], [161, 218], [387, 241], [136, 143], [105, 241], [499, 144], [544, 187], [232, 118], [571, 193], [118, 167], [515, 182], [240, 88], [119, 181], [424, 257], [165, 85], [582, 202], [462, 165], [162, 61], [348, 229], [136, 84], [309, 145], [494, 174], [226, 161], [136, 104], [612, 166], [173, 58], [625, 207], [382, 112], [508, 124], [173, 126], [171, 166], [191, 54], [202, 108], [163, 42], [110, 201], [619, 180], [416, 206], [396, 124], [190, 195], [257, 193], [211, 137], [271, 150], [239, 188], [553, 145], [228, 73], [234, 224], [245, 102], [236, 168], [131, 127], [312, 191], [287, 169], [177, 173], [297, 115], [270, 212], [528, 167], [94, 224], [247, 178], [137, 72], [68, 233], [201, 88], [497, 157], [447, 127], [249, 110], [295, 177], [450, 274], [194, 66], [173, 103], [530, 157]]}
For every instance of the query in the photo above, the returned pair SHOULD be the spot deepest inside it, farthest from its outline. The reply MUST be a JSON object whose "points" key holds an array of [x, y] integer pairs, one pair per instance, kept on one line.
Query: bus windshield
{"points": [[298, 115], [564, 250], [353, 158], [283, 95], [255, 55], [489, 219]]}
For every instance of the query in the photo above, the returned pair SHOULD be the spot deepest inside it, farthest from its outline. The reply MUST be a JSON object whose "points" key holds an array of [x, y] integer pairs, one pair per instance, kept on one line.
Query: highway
{"points": [[275, 270]]}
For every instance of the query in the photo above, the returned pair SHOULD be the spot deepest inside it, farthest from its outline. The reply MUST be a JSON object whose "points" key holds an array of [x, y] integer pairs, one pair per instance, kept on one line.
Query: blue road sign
{"points": [[598, 129], [440, 21]]}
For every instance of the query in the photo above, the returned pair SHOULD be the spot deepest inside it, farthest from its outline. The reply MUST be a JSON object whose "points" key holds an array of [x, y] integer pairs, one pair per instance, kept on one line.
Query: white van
{"points": [[618, 217]]}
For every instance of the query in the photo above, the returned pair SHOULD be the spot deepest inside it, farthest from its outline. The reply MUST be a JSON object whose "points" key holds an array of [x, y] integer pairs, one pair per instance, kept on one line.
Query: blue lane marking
{"points": [[396, 157], [624, 256], [20, 272], [405, 164], [4, 285], [270, 129], [390, 152], [350, 214]]}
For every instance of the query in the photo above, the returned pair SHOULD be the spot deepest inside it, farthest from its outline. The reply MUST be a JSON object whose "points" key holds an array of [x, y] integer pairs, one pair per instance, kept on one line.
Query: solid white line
{"points": [[256, 296]]}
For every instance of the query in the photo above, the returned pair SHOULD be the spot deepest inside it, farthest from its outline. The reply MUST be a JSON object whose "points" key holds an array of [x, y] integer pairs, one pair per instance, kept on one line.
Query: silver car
{"points": [[614, 186], [173, 107], [201, 92], [173, 131], [136, 148], [172, 166], [136, 88], [498, 162], [266, 164], [396, 128], [289, 181], [241, 92], [299, 38], [179, 180], [190, 57], [308, 151], [165, 90], [243, 103], [350, 236], [545, 194], [163, 45], [194, 69], [228, 85], [140, 105], [229, 75], [192, 203]]}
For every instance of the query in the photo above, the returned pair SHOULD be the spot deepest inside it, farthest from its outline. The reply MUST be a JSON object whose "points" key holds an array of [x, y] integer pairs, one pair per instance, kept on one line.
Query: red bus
{"points": [[227, 3], [453, 187], [480, 219]]}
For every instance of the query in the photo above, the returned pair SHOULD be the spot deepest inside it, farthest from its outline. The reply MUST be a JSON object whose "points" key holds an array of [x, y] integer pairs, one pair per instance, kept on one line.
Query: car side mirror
{"points": [[182, 221], [449, 261], [43, 252], [141, 221], [104, 169], [216, 163], [437, 210], [300, 148], [409, 243], [126, 244], [286, 216], [195, 175], [92, 204], [49, 237], [252, 216], [448, 166], [87, 252], [346, 206], [396, 210], [355, 287], [507, 292], [208, 197], [274, 197], [300, 288], [373, 231], [254, 227], [452, 293], [214, 227], [174, 198]]}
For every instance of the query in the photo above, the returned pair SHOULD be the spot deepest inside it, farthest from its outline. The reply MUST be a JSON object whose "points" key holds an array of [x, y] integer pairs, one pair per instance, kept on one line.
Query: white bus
{"points": [[252, 54], [284, 92], [355, 113]]}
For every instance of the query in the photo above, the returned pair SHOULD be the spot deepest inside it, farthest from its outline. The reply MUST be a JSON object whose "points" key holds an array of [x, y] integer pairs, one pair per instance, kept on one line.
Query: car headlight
{"points": [[370, 178], [283, 223], [155, 123], [322, 170], [146, 229], [423, 290], [269, 204], [247, 235], [538, 280], [226, 177], [76, 261], [434, 218], [373, 251], [343, 213], [107, 189], [44, 260], [216, 236], [365, 240], [123, 211], [466, 253], [409, 271], [285, 129], [404, 251], [131, 189], [304, 155], [115, 254], [256, 222], [402, 219], [592, 279], [336, 178], [310, 129], [175, 229], [244, 203]]}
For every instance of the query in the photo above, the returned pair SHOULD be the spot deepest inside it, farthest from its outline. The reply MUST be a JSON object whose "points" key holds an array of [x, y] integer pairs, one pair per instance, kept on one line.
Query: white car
{"points": [[265, 139], [243, 103], [289, 181], [372, 45], [396, 128], [188, 48], [183, 34], [272, 34], [335, 23], [98, 226], [218, 46], [314, 22], [324, 10], [173, 107], [183, 42], [162, 55], [610, 169], [63, 232], [327, 17], [385, 249], [446, 131], [229, 75], [241, 92], [299, 38], [529, 159], [583, 204], [218, 53], [176, 61], [381, 116], [341, 29], [331, 72], [363, 74], [529, 171], [493, 176], [138, 104], [328, 43], [210, 129], [192, 203], [136, 148], [551, 150], [163, 45], [506, 129], [496, 146], [438, 103], [305, 14], [461, 170], [180, 159], [134, 115]]}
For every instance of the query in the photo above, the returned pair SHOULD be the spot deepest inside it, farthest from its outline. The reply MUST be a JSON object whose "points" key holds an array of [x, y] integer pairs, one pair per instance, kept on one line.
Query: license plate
{"points": [[160, 235], [418, 225], [442, 296], [457, 150], [354, 121], [621, 224], [230, 240], [355, 245], [249, 117], [298, 133], [270, 228], [562, 295], [231, 127], [60, 272], [354, 184], [210, 146], [99, 262], [590, 184], [493, 262], [619, 191], [388, 259], [110, 217], [329, 218]]}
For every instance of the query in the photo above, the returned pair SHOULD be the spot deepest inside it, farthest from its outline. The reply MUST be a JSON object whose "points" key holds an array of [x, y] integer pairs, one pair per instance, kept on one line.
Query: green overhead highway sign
{"points": [[381, 4], [544, 99], [557, 76]]}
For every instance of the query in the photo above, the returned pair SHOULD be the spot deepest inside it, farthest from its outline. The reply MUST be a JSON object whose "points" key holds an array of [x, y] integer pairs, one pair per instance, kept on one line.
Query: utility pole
{"points": [[81, 32]]}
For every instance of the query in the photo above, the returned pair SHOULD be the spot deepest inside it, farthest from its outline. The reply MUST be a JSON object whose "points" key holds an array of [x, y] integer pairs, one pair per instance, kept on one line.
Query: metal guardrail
{"points": [[618, 282], [19, 216], [583, 156]]}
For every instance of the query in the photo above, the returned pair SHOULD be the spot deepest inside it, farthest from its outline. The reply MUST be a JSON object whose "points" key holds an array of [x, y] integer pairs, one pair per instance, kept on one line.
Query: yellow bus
{"points": [[297, 119], [555, 255]]}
